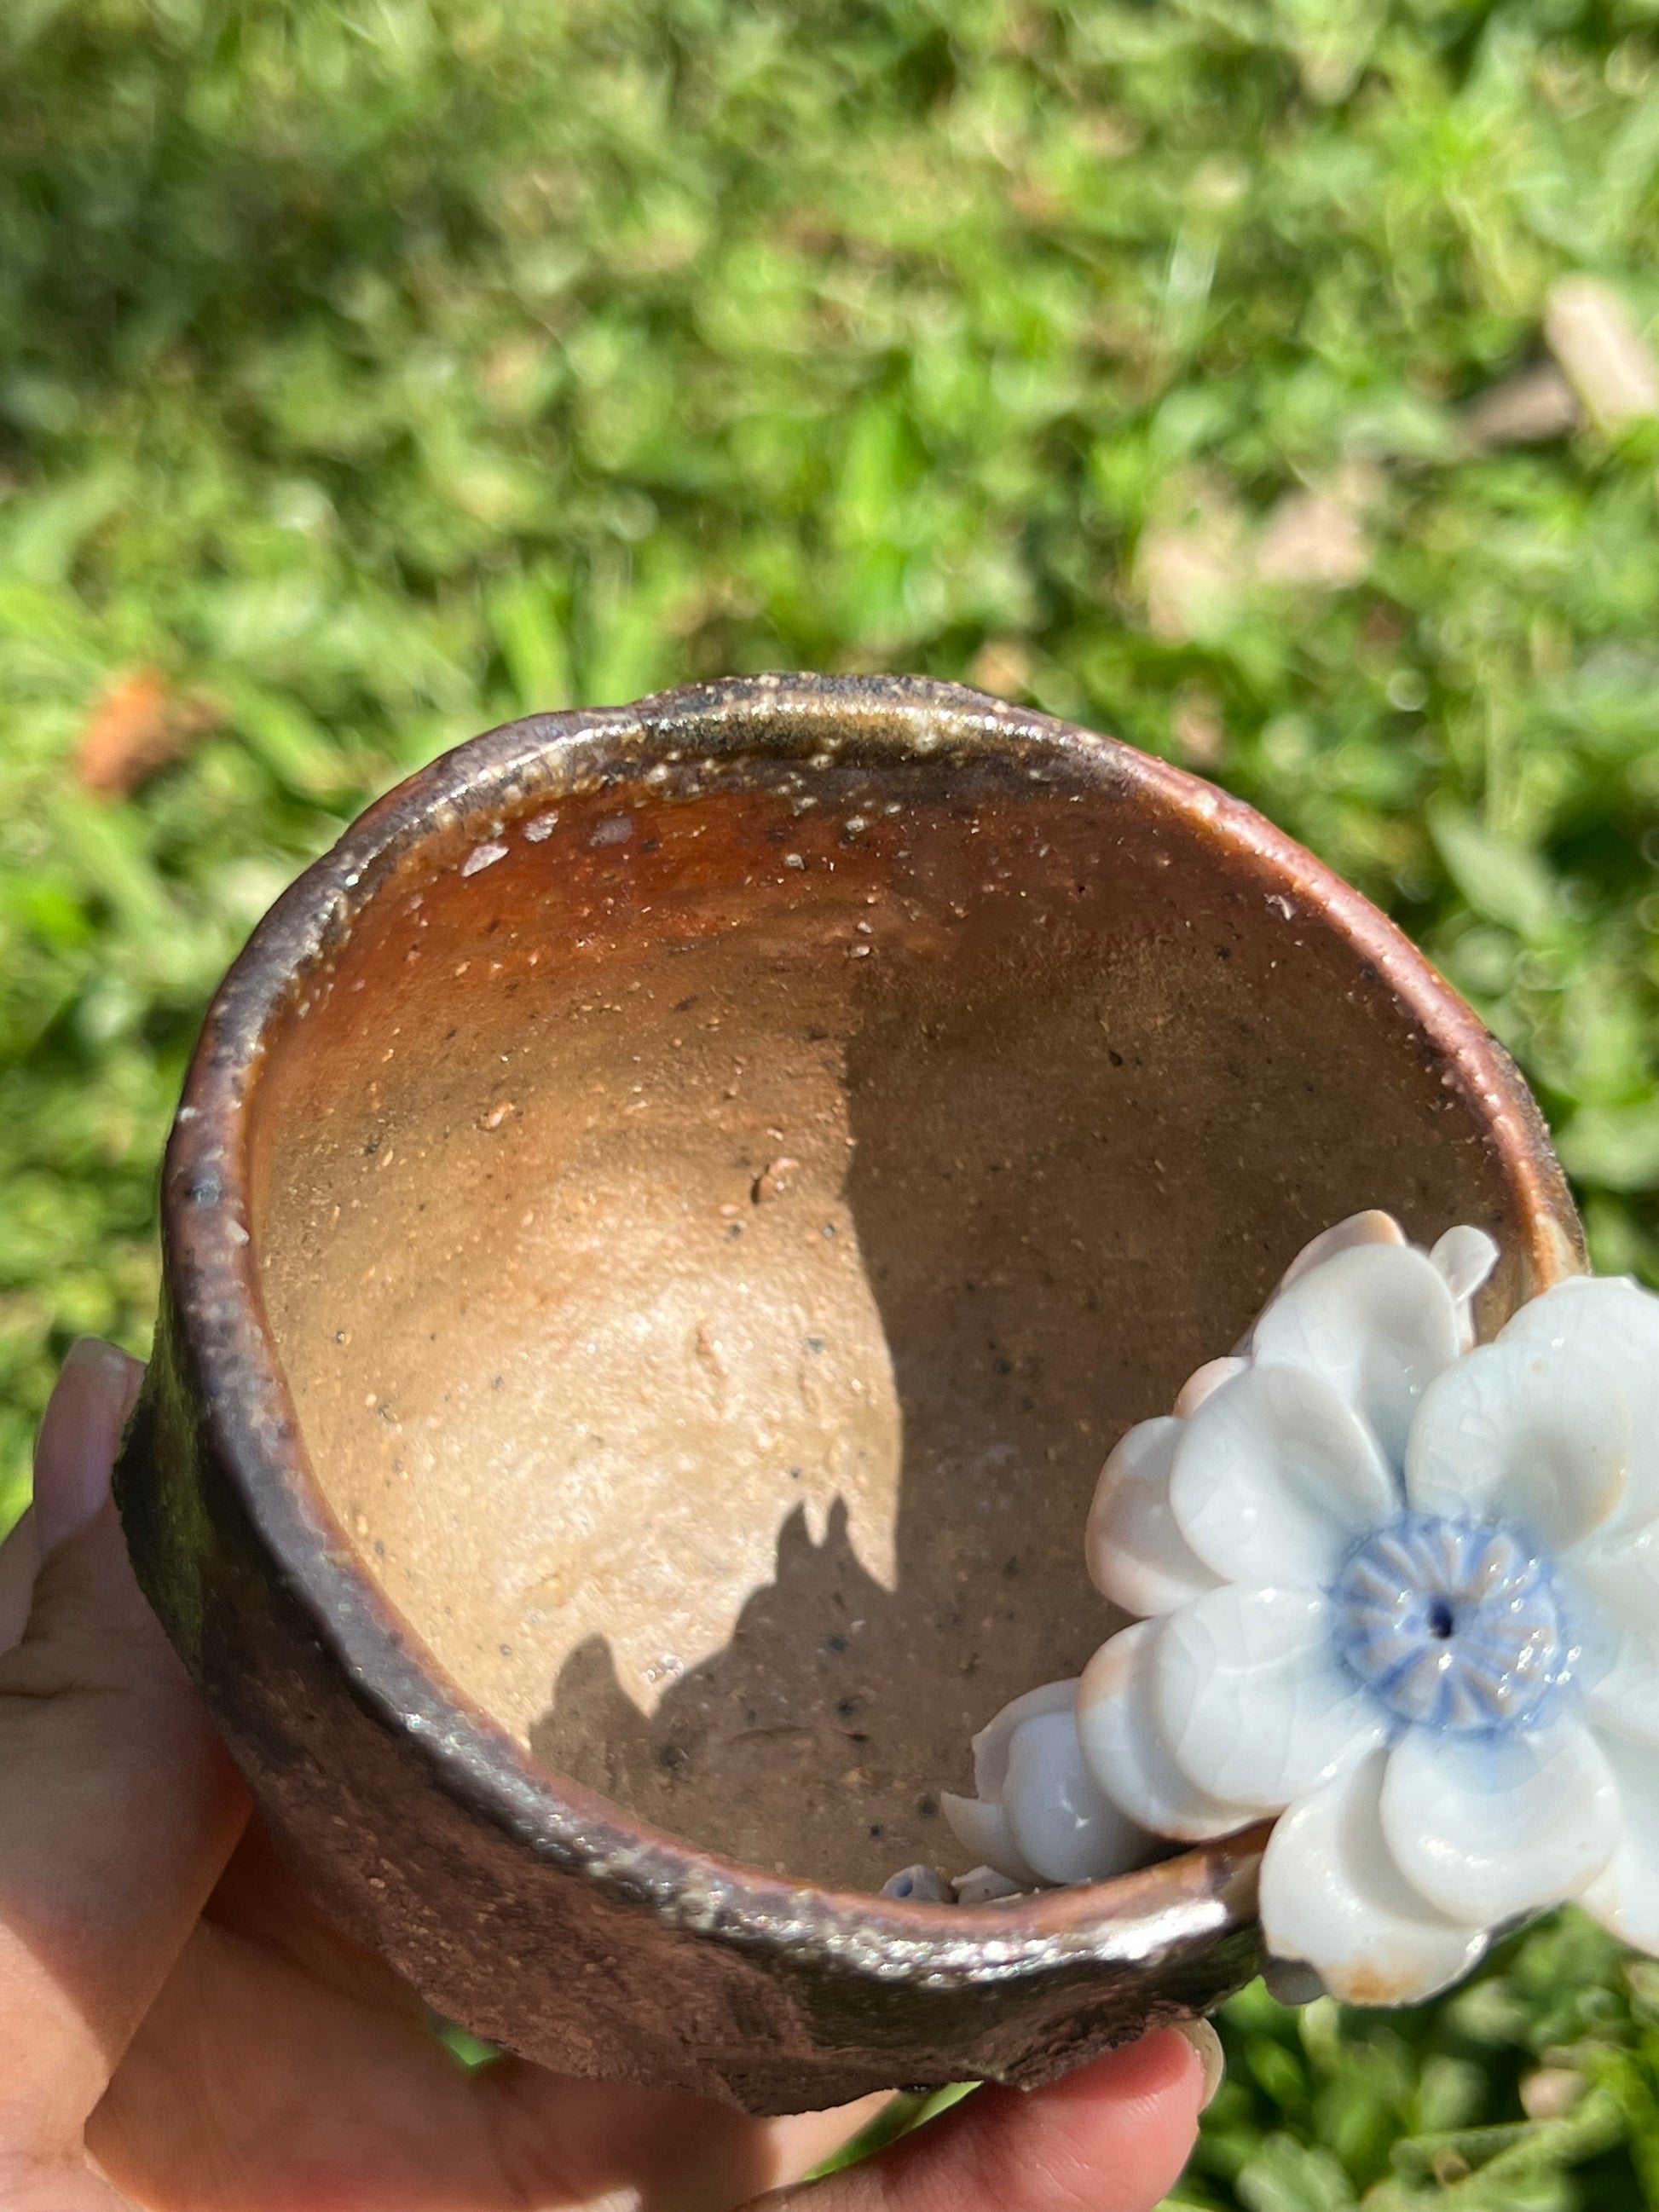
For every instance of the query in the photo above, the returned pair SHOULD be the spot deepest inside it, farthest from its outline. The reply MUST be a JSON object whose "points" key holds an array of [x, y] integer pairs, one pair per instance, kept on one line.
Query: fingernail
{"points": [[1211, 2056], [79, 1433]]}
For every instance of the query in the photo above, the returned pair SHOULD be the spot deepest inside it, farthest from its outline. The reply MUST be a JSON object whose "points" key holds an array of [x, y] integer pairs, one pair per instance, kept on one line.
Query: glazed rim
{"points": [[1200, 1896]]}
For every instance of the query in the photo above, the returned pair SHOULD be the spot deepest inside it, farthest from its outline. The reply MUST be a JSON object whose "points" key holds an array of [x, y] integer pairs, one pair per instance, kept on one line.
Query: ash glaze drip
{"points": [[1455, 1625]]}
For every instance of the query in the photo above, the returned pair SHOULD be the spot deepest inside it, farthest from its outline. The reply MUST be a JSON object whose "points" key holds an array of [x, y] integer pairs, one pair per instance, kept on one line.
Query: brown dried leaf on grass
{"points": [[1526, 410], [1196, 729], [1191, 563], [1549, 2091], [1592, 334], [1194, 565], [1311, 537], [139, 725], [1002, 666]]}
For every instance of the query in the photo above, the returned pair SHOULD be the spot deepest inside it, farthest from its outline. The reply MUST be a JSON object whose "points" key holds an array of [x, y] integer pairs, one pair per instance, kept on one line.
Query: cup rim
{"points": [[1202, 1895]]}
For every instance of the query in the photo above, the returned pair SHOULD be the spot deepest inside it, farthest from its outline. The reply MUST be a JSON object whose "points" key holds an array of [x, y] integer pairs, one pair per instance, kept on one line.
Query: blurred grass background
{"points": [[1266, 380]]}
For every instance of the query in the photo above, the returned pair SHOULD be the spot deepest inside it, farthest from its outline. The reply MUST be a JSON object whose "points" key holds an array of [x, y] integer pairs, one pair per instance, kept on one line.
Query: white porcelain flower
{"points": [[1040, 1816], [1404, 1595]]}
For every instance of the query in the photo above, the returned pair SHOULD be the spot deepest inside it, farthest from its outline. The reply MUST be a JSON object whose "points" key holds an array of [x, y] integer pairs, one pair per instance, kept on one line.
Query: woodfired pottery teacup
{"points": [[665, 1224]]}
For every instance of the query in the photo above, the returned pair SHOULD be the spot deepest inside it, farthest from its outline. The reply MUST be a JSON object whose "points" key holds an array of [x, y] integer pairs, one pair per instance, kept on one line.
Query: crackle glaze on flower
{"points": [[1039, 1814], [1403, 1592]]}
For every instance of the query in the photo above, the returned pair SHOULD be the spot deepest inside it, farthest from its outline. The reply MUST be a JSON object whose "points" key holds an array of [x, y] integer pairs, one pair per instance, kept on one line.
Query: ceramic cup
{"points": [[664, 1223]]}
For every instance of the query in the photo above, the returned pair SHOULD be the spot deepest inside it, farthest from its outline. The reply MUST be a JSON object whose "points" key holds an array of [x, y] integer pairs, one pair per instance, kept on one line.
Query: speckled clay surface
{"points": [[664, 1223]]}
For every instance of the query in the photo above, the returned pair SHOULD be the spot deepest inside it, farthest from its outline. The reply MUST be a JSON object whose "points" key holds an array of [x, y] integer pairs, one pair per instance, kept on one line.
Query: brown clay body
{"points": [[664, 1224]]}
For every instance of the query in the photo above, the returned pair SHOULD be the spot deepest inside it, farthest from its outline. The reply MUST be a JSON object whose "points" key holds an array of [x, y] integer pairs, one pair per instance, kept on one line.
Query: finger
{"points": [[75, 1448], [607, 2143], [80, 1429], [795, 2146], [264, 2079], [1112, 2137], [279, 2050], [20, 1560], [119, 1807], [259, 1899]]}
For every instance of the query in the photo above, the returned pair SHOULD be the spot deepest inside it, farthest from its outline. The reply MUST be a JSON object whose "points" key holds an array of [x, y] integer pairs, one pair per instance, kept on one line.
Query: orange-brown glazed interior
{"points": [[714, 1233]]}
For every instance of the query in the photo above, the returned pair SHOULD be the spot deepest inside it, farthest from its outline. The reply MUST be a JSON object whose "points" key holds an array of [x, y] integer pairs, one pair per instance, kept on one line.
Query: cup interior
{"points": [[715, 1218]]}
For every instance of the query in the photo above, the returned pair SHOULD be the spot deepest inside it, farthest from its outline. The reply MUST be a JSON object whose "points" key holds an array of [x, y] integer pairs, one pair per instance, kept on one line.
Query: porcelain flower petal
{"points": [[1204, 1382], [1486, 1827], [1136, 1553], [1617, 1322], [1274, 1476], [987, 1835], [1039, 1815], [1249, 1697], [1373, 1226], [1525, 1433], [1613, 1593], [993, 1747], [1466, 1257], [1125, 1750], [1064, 1823], [1378, 1323], [1332, 1897], [981, 1824], [1625, 1895]]}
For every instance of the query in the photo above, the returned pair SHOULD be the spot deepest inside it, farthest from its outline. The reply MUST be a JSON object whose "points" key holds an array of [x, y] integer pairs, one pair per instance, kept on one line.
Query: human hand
{"points": [[181, 2030]]}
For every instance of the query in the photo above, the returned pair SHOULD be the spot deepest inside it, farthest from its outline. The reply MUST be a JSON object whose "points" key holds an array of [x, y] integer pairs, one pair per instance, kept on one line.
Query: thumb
{"points": [[1111, 2137], [119, 1806]]}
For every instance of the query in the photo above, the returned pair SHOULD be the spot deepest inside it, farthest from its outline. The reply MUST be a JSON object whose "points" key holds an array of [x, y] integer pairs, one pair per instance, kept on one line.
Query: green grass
{"points": [[1532, 2089], [1328, 2107], [373, 369]]}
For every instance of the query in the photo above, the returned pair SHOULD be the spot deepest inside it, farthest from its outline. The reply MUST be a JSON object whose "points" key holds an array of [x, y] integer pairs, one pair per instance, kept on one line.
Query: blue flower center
{"points": [[1455, 1625]]}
